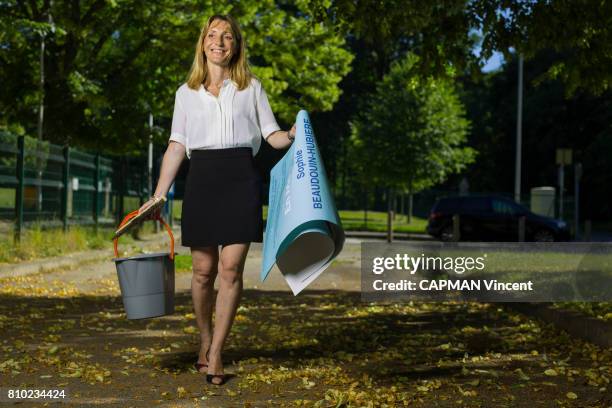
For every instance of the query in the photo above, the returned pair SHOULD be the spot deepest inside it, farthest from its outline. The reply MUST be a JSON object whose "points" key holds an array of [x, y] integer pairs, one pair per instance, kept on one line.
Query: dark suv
{"points": [[491, 218]]}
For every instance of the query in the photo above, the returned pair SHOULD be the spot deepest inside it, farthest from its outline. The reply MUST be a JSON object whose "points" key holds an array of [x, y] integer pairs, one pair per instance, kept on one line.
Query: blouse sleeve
{"points": [[178, 122], [267, 122]]}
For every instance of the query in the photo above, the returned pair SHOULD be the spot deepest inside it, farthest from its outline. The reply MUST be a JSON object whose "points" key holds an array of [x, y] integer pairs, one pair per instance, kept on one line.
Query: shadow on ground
{"points": [[324, 346]]}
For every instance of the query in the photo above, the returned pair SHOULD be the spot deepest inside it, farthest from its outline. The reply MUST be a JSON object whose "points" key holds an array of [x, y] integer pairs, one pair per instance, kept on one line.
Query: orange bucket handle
{"points": [[158, 218]]}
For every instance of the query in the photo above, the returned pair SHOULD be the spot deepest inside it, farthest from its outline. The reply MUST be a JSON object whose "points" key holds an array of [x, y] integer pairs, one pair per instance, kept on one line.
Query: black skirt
{"points": [[222, 203]]}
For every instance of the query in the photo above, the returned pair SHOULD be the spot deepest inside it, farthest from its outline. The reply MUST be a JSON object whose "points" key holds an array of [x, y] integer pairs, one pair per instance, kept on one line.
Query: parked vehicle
{"points": [[491, 218]]}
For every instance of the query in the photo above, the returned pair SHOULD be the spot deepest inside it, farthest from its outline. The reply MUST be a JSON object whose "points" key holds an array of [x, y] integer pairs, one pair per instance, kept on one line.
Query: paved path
{"points": [[343, 274], [78, 259]]}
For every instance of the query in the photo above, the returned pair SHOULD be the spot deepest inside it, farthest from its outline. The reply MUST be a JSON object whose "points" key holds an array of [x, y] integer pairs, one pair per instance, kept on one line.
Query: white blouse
{"points": [[234, 119]]}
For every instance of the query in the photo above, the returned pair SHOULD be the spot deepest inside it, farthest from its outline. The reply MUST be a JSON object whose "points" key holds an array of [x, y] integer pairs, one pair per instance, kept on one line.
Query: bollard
{"points": [[456, 228], [521, 228], [390, 226]]}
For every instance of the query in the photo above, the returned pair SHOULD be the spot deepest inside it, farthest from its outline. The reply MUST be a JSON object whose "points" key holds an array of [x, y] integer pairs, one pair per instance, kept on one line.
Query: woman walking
{"points": [[220, 116]]}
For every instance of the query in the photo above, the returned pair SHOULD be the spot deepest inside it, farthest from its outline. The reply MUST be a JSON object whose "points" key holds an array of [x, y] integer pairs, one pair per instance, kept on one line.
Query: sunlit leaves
{"points": [[551, 372], [571, 395], [111, 64]]}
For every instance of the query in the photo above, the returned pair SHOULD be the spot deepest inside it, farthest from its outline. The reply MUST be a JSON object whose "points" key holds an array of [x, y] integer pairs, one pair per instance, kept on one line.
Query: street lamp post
{"points": [[563, 158], [41, 116], [519, 133], [41, 108]]}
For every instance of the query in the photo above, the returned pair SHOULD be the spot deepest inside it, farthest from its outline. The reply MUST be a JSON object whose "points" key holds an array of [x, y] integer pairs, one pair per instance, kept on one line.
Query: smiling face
{"points": [[219, 43]]}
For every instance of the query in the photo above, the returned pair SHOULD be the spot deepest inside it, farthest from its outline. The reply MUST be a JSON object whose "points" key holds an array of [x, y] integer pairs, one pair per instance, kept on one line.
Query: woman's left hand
{"points": [[292, 132]]}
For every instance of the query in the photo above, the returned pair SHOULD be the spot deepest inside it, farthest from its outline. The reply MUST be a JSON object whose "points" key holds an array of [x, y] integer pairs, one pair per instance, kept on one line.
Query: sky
{"points": [[493, 63]]}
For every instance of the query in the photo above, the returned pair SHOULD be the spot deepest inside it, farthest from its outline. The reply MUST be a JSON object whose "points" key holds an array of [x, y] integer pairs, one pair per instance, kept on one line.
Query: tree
{"points": [[411, 135], [444, 32], [110, 63], [437, 31], [579, 32], [379, 33]]}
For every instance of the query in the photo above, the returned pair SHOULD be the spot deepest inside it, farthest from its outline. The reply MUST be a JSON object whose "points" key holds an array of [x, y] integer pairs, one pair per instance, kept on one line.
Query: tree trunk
{"points": [[410, 202], [365, 208], [410, 207], [389, 215], [394, 208]]}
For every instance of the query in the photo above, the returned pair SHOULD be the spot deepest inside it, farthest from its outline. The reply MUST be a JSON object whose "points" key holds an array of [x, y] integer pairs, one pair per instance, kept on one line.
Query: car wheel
{"points": [[543, 236], [446, 234]]}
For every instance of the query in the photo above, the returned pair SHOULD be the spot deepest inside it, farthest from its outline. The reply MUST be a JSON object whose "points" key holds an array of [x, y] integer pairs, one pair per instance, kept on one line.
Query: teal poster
{"points": [[303, 231]]}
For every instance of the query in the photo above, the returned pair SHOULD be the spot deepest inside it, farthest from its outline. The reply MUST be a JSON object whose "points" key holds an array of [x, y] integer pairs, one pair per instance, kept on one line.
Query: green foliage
{"points": [[446, 31], [300, 64], [436, 31], [36, 156], [108, 64], [411, 135], [579, 32]]}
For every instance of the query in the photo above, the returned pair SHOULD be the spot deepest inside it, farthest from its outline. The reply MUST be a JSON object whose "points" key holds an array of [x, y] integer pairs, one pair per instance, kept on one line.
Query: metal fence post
{"points": [[96, 199], [67, 186], [19, 191], [121, 189]]}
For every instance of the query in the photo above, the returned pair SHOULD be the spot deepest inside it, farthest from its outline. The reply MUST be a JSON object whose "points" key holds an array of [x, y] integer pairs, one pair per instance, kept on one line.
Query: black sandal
{"points": [[209, 377]]}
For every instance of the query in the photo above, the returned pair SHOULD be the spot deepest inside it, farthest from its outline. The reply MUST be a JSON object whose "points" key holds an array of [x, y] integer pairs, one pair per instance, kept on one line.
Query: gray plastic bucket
{"points": [[147, 285], [146, 281]]}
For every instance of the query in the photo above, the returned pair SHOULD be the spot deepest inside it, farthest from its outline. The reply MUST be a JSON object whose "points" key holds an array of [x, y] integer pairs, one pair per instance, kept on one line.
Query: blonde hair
{"points": [[240, 72]]}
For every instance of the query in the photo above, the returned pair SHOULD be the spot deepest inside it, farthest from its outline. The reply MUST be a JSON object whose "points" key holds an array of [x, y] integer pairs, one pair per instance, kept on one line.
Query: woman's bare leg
{"points": [[205, 267], [231, 266]]}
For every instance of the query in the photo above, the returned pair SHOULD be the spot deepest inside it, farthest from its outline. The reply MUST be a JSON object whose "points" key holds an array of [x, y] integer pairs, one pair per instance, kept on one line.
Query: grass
{"points": [[41, 243], [7, 197], [377, 221], [182, 263], [355, 220]]}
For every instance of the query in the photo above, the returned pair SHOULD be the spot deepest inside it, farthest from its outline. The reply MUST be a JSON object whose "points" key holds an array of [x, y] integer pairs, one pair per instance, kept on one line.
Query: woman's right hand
{"points": [[153, 215]]}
